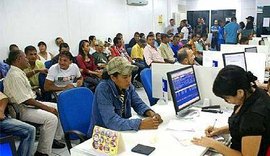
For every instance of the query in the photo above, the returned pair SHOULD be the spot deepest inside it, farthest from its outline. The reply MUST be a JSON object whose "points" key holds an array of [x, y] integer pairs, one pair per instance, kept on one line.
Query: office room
{"points": [[132, 77]]}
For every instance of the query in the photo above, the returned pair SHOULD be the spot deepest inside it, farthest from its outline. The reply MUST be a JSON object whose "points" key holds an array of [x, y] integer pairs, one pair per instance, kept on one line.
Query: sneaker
{"points": [[58, 144], [40, 154]]}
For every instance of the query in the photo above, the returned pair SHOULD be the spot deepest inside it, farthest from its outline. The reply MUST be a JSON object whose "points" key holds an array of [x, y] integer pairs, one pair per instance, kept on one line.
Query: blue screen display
{"points": [[5, 149], [184, 87]]}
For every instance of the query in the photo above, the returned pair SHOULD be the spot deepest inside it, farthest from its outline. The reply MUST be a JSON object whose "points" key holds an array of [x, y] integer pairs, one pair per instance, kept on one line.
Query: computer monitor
{"points": [[184, 89], [251, 49], [238, 59], [7, 146]]}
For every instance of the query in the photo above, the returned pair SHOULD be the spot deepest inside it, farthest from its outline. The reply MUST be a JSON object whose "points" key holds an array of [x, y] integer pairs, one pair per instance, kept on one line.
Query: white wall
{"points": [[243, 8], [263, 3], [26, 22]]}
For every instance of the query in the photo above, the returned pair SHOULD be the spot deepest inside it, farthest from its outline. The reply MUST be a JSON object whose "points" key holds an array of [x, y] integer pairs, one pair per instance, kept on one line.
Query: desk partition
{"points": [[205, 77], [255, 62]]}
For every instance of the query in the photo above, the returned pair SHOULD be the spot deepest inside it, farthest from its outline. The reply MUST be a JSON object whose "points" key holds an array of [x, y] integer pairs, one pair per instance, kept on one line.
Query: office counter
{"points": [[172, 137]]}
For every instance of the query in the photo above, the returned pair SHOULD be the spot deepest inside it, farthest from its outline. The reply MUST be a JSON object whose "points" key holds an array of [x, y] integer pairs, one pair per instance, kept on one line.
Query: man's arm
{"points": [[3, 105], [50, 86], [33, 102]]}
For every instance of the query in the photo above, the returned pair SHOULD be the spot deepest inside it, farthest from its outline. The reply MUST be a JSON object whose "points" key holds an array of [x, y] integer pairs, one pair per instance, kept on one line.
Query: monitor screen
{"points": [[251, 49], [184, 88], [238, 59], [7, 146]]}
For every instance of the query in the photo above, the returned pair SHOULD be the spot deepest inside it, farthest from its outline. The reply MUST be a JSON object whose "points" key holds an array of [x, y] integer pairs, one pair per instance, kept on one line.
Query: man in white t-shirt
{"points": [[63, 75]]}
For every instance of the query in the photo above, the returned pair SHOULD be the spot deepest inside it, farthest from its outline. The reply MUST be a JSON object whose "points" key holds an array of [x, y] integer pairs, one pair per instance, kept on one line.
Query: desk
{"points": [[164, 140]]}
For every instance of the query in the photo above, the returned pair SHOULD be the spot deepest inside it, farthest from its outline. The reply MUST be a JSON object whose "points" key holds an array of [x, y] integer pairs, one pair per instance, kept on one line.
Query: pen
{"points": [[214, 123]]}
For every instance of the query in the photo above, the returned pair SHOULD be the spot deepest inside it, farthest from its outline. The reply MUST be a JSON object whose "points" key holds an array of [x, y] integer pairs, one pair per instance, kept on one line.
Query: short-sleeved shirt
{"points": [[151, 54], [253, 119], [34, 79], [17, 86], [100, 58], [166, 51], [62, 77], [137, 52], [231, 30]]}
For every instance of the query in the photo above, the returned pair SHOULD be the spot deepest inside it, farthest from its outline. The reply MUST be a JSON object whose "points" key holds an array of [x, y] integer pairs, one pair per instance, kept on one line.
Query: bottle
{"points": [[164, 91]]}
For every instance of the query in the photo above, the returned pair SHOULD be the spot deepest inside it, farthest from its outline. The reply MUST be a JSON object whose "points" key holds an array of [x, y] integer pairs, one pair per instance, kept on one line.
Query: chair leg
{"points": [[68, 142]]}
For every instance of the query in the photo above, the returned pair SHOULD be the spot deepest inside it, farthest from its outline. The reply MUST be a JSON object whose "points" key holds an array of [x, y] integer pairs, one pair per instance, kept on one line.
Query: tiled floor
{"points": [[64, 151]]}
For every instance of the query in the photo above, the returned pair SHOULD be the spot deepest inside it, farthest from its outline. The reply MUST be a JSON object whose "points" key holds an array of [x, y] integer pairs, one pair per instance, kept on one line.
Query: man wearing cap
{"points": [[114, 98]]}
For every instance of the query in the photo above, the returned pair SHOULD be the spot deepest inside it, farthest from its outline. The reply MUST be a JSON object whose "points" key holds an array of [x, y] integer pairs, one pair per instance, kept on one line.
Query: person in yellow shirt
{"points": [[36, 66], [137, 56]]}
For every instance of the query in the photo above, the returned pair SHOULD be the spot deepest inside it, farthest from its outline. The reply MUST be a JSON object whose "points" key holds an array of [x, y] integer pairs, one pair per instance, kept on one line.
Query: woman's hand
{"points": [[204, 141], [211, 131]]}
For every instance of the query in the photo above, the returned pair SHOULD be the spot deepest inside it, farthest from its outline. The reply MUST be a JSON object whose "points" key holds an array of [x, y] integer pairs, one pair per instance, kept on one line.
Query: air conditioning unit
{"points": [[137, 2]]}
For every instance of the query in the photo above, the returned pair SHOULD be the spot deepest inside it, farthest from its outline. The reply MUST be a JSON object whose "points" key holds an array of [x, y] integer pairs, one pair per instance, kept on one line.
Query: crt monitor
{"points": [[7, 146], [238, 59], [184, 89], [251, 49]]}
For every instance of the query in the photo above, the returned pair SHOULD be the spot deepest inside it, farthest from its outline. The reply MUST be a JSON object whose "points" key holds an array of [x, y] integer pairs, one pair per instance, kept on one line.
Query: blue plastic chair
{"points": [[129, 51], [45, 96], [48, 64], [146, 78], [75, 109]]}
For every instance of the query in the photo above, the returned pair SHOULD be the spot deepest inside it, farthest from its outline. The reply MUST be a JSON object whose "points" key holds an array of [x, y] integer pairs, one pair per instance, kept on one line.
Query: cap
{"points": [[120, 65], [250, 18]]}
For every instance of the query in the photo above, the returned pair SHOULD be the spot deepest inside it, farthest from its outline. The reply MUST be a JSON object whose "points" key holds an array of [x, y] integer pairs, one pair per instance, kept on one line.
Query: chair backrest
{"points": [[7, 146], [75, 109], [146, 78], [2, 85], [48, 64], [129, 51], [46, 96]]}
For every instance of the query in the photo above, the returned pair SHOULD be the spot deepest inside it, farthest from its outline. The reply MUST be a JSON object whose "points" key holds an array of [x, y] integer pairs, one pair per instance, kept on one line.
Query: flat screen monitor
{"points": [[251, 49], [7, 146], [184, 89], [238, 59]]}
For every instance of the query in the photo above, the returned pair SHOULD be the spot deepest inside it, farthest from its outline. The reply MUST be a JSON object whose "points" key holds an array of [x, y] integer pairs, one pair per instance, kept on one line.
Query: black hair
{"points": [[63, 45], [116, 40], [81, 52], [242, 25], [119, 35], [66, 54], [91, 38], [42, 43], [243, 40], [12, 56], [233, 19], [149, 36], [142, 35], [29, 49], [12, 47], [230, 79], [136, 33], [106, 76]]}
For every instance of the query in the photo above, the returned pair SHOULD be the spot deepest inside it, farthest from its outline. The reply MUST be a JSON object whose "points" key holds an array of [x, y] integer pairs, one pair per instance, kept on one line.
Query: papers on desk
{"points": [[183, 126]]}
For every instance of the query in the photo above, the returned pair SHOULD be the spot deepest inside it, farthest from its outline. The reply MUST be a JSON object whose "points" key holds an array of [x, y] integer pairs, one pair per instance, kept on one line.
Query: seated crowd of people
{"points": [[107, 70]]}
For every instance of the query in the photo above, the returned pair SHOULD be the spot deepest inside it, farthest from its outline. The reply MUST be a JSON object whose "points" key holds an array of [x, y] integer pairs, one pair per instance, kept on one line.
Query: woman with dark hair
{"points": [[92, 43], [249, 124], [43, 54], [86, 62]]}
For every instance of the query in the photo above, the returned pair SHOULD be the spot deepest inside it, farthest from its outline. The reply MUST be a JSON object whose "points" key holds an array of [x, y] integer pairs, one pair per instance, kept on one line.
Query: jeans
{"points": [[26, 132]]}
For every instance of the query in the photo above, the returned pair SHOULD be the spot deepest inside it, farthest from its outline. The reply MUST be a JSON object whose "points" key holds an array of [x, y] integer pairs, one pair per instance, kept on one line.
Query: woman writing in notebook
{"points": [[249, 124]]}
